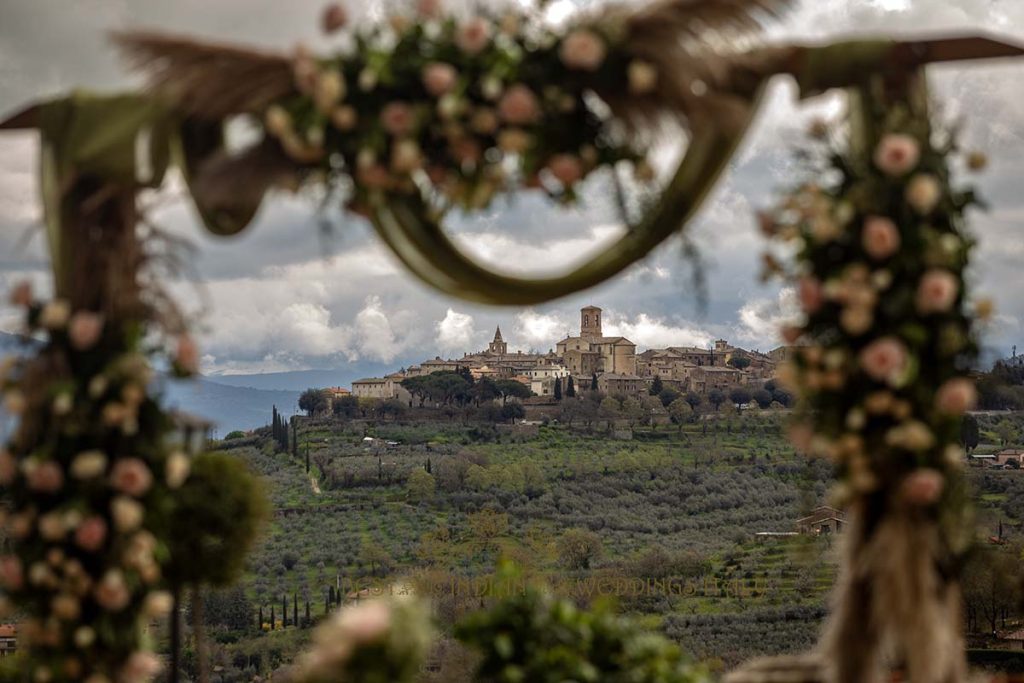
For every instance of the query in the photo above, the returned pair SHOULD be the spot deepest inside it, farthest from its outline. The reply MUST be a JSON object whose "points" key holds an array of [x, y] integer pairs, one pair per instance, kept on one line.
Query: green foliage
{"points": [[656, 386], [234, 435], [970, 434], [421, 486], [223, 507], [558, 388], [535, 637], [579, 548], [570, 388], [345, 406], [739, 396], [313, 401], [739, 361], [716, 397]]}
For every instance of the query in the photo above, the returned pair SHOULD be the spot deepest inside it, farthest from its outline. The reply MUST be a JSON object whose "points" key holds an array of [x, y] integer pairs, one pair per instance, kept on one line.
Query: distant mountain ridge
{"points": [[299, 380]]}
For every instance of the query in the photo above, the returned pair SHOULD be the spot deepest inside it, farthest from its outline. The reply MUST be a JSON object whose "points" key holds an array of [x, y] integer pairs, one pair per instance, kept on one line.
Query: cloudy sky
{"points": [[301, 289]]}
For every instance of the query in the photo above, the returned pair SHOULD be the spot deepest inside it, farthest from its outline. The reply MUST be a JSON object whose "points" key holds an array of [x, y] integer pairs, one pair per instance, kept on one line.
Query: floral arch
{"points": [[430, 113]]}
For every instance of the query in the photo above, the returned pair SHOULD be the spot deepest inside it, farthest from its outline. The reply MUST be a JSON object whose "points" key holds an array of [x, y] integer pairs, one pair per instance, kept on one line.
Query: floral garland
{"points": [[886, 342], [466, 108], [88, 482], [881, 367]]}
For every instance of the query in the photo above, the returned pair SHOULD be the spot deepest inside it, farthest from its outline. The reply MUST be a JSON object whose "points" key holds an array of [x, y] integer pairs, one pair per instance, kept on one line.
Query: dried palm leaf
{"points": [[208, 80]]}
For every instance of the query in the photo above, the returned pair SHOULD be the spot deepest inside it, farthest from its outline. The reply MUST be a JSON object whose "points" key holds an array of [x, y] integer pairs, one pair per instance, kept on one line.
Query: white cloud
{"points": [[455, 333], [539, 331], [647, 331], [760, 319]]}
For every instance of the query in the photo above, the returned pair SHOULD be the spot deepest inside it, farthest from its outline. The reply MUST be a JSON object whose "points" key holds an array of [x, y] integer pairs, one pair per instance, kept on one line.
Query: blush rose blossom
{"points": [[45, 477], [397, 118], [21, 295], [811, 294], [881, 238], [177, 469], [566, 168], [8, 467], [334, 18], [187, 354], [897, 154], [922, 486], [884, 360], [956, 396], [428, 8], [126, 513], [519, 105], [131, 476], [583, 50], [439, 78], [111, 592], [12, 574], [473, 36], [91, 533], [88, 464], [937, 291]]}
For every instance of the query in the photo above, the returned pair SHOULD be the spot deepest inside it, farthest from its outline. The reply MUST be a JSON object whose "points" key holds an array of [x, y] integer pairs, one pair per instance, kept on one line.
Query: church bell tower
{"points": [[590, 322], [498, 347]]}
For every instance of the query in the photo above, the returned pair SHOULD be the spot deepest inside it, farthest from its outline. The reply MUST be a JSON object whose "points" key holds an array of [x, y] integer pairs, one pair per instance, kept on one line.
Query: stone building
{"points": [[591, 352], [614, 384], [824, 519]]}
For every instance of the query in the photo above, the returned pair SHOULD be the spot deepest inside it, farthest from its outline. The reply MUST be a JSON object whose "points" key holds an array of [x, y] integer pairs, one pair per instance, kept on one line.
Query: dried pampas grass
{"points": [[897, 603], [207, 80], [691, 44]]}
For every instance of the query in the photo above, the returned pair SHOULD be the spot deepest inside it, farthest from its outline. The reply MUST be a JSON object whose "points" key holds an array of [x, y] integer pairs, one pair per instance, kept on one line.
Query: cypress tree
{"points": [[273, 619], [259, 627], [656, 386], [593, 382], [309, 619], [295, 439], [558, 388], [330, 594], [284, 609], [295, 609], [570, 388], [428, 466], [307, 458]]}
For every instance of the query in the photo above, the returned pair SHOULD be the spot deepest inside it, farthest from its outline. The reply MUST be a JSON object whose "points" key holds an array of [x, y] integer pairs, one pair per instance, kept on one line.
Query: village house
{"points": [[8, 639], [615, 384], [824, 519], [1008, 455]]}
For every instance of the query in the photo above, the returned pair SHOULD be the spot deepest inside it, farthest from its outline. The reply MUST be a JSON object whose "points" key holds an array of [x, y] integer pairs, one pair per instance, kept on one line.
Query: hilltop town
{"points": [[593, 361]]}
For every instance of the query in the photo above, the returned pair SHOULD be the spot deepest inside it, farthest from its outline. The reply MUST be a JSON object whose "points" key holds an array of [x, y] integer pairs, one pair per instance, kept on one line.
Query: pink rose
{"points": [[111, 592], [884, 360], [439, 78], [140, 667], [91, 534], [333, 18], [428, 8], [12, 575], [46, 477], [84, 330], [397, 118], [519, 105], [187, 355], [937, 291], [583, 49], [131, 476], [922, 486], [811, 294], [367, 622], [473, 36], [881, 237], [897, 154], [956, 396], [21, 295], [566, 168]]}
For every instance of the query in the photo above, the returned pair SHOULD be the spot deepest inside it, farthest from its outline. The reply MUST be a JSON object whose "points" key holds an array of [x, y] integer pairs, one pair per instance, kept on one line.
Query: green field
{"points": [[664, 522]]}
